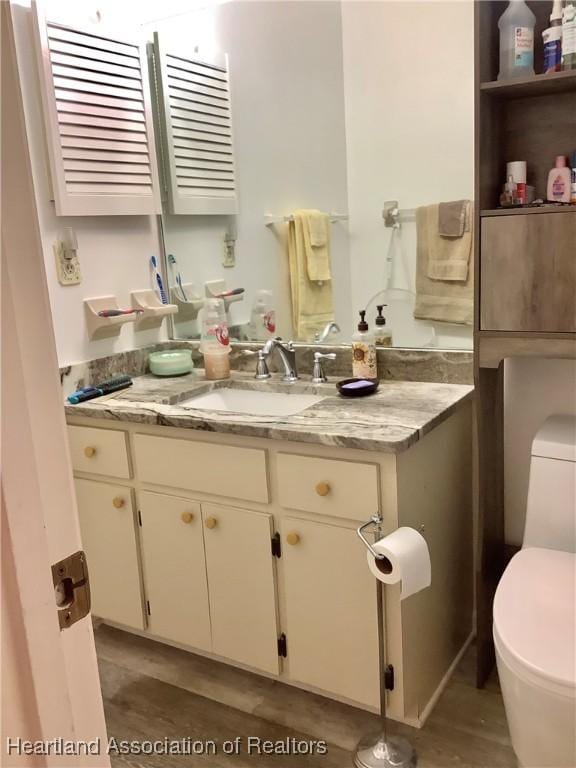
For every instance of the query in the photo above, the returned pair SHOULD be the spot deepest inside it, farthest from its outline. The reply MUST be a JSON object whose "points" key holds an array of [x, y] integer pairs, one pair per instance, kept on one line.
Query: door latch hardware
{"points": [[389, 677], [282, 646], [71, 589], [276, 545]]}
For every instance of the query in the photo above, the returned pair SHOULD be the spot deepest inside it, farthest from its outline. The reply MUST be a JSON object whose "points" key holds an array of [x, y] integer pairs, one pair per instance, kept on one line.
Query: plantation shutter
{"points": [[95, 95], [195, 122]]}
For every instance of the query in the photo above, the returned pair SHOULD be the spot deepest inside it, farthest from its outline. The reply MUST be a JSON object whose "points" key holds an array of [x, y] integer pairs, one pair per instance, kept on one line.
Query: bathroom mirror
{"points": [[322, 113]]}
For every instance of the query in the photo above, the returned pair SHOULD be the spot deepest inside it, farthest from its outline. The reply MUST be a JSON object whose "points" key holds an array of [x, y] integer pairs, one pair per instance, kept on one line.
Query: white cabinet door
{"points": [[107, 527], [331, 622], [175, 569], [241, 585]]}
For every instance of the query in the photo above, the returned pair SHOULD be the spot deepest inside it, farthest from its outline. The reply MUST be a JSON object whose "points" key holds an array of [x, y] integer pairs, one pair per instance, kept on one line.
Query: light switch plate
{"points": [[67, 265]]}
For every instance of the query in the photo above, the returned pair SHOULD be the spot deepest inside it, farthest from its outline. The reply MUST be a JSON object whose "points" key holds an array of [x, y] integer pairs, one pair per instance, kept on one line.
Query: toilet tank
{"points": [[551, 508]]}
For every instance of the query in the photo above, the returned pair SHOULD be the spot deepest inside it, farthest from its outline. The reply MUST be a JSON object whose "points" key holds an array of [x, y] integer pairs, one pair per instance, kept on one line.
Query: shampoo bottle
{"points": [[363, 351], [516, 41], [558, 189]]}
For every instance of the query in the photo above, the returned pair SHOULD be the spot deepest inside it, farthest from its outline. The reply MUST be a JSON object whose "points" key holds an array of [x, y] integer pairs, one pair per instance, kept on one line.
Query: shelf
{"points": [[527, 211], [539, 85]]}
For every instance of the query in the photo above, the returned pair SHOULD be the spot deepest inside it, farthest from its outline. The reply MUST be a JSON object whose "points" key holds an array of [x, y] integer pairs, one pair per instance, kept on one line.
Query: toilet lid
{"points": [[535, 613]]}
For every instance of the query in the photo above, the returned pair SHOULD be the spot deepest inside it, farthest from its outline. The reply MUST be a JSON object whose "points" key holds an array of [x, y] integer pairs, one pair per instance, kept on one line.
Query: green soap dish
{"points": [[172, 362]]}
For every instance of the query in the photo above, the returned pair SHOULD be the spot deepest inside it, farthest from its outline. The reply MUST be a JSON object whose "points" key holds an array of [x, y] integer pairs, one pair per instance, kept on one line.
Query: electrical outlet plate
{"points": [[67, 265], [229, 254]]}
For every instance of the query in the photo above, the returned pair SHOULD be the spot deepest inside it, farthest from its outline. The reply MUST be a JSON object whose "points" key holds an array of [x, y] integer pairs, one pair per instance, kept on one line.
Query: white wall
{"points": [[408, 76], [113, 251], [534, 389], [289, 134]]}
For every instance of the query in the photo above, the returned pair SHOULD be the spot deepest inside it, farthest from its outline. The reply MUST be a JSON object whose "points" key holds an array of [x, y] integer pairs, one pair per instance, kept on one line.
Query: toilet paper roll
{"points": [[406, 559]]}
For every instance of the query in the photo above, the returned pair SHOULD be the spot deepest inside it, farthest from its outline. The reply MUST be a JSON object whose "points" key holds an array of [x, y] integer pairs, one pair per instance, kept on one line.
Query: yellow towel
{"points": [[316, 226], [312, 305], [445, 300]]}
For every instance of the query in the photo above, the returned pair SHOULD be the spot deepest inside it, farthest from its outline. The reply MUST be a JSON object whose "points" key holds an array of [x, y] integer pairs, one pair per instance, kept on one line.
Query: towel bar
{"points": [[271, 219]]}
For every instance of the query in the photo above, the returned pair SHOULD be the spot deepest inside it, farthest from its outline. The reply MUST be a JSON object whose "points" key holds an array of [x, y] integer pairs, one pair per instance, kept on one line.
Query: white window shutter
{"points": [[195, 122], [96, 100]]}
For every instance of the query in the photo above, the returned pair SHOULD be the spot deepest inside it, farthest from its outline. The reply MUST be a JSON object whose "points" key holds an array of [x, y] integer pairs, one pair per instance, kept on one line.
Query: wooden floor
{"points": [[153, 691]]}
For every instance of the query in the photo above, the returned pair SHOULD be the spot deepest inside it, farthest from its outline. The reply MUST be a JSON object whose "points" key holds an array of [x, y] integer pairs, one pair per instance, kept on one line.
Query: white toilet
{"points": [[535, 609]]}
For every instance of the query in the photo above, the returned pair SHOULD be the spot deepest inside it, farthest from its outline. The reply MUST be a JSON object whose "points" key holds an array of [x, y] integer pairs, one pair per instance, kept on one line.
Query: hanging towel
{"points": [[317, 243], [312, 304], [453, 218], [448, 257], [447, 299]]}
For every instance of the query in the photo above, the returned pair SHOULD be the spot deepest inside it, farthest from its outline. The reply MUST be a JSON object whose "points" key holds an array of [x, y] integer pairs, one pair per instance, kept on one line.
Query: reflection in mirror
{"points": [[351, 168]]}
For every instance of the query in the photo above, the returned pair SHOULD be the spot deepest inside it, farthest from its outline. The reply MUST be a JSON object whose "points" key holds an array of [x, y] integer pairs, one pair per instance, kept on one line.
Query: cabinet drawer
{"points": [[528, 273], [99, 451], [224, 470], [328, 487]]}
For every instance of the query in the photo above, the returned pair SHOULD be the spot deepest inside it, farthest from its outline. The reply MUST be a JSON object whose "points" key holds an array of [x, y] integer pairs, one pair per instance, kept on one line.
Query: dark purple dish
{"points": [[357, 387]]}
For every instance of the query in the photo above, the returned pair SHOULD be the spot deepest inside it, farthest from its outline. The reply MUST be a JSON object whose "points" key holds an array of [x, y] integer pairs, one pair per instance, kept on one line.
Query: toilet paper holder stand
{"points": [[380, 750]]}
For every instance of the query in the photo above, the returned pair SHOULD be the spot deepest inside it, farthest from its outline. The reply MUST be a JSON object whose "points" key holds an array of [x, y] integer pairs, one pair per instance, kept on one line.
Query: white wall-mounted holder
{"points": [[214, 287], [153, 312], [104, 327], [187, 310]]}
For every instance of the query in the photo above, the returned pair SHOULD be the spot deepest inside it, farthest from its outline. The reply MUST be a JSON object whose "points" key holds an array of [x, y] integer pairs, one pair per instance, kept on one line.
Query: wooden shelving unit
{"points": [[525, 268]]}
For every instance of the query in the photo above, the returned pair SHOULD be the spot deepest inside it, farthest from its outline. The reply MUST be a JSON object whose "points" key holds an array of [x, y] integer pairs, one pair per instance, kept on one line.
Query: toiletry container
{"points": [[552, 39], [573, 178], [364, 351], [569, 37], [516, 27], [262, 317], [382, 334], [559, 182], [215, 344]]}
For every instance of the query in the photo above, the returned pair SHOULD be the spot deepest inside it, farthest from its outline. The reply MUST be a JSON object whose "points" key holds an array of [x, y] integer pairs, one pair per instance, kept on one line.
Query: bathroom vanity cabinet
{"points": [[245, 549]]}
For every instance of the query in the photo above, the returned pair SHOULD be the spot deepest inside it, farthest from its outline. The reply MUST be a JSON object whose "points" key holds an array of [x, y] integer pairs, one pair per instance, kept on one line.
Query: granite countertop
{"points": [[398, 415]]}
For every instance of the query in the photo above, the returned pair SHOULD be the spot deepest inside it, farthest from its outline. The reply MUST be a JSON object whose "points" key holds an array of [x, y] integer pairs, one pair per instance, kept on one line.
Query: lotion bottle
{"points": [[558, 189], [364, 351]]}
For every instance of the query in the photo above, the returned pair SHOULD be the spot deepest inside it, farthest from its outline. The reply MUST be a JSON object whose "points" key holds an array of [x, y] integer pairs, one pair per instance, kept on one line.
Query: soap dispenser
{"points": [[364, 351], [383, 334]]}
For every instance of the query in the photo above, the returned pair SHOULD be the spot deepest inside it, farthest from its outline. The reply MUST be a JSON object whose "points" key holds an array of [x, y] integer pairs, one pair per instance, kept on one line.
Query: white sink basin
{"points": [[252, 402]]}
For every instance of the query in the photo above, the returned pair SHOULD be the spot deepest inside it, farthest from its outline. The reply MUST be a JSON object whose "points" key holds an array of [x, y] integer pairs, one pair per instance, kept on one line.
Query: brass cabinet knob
{"points": [[186, 517], [293, 538], [89, 451], [323, 489], [211, 522], [118, 502]]}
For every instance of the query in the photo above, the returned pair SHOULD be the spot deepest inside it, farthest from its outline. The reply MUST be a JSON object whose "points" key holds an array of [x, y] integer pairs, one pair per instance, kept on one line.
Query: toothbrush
{"points": [[116, 312], [177, 276], [156, 278]]}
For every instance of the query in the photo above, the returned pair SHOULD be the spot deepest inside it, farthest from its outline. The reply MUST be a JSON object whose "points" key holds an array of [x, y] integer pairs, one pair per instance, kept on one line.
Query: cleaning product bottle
{"points": [[383, 335], [516, 41], [559, 182], [552, 38], [215, 342], [573, 177], [363, 351], [569, 36], [262, 317]]}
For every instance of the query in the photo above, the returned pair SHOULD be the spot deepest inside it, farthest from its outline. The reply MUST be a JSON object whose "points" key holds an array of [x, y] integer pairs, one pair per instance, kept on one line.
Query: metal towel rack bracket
{"points": [[393, 216]]}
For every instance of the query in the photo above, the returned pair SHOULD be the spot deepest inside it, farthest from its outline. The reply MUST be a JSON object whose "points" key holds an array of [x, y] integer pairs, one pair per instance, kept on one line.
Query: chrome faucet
{"points": [[287, 355], [331, 327]]}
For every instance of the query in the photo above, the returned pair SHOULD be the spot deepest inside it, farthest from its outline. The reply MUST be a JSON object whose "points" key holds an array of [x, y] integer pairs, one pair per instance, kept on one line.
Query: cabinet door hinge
{"points": [[276, 545], [282, 646], [148, 608], [389, 677], [71, 589], [140, 518]]}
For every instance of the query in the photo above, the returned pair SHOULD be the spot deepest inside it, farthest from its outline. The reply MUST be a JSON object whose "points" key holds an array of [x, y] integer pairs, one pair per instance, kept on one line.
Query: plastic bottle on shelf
{"points": [[262, 317], [573, 179], [552, 38], [516, 27], [569, 37], [364, 364], [215, 342], [559, 182]]}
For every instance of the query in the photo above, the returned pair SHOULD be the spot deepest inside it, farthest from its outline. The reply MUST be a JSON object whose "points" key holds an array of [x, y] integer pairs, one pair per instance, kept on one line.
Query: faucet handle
{"points": [[262, 371], [318, 375]]}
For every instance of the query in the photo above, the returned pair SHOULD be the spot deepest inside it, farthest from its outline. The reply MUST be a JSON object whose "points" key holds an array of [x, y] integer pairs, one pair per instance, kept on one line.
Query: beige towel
{"points": [[448, 257], [317, 243], [448, 301], [312, 305], [453, 218]]}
